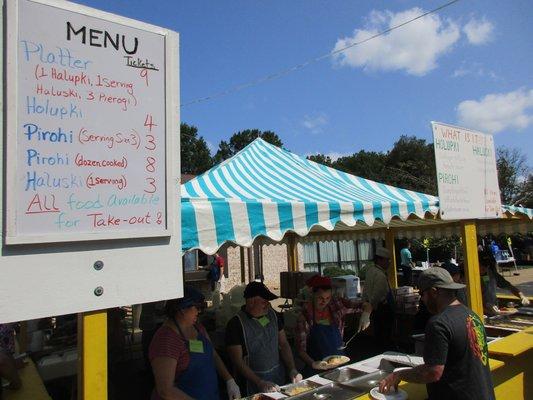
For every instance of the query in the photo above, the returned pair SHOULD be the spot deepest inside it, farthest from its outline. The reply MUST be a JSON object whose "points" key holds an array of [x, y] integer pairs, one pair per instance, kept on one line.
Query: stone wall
{"points": [[274, 259]]}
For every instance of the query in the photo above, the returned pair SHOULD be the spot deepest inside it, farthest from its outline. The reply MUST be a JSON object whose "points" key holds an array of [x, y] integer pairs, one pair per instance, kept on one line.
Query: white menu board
{"points": [[466, 173], [91, 153], [87, 140]]}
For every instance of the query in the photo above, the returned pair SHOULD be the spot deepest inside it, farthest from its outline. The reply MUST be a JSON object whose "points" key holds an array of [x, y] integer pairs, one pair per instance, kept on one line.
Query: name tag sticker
{"points": [[264, 321], [196, 346]]}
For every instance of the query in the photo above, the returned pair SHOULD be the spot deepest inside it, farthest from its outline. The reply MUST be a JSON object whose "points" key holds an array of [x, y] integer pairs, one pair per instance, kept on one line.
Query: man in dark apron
{"points": [[256, 341]]}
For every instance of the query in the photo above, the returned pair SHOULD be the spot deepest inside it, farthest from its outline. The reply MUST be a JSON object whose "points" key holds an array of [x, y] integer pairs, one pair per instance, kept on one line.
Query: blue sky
{"points": [[470, 64]]}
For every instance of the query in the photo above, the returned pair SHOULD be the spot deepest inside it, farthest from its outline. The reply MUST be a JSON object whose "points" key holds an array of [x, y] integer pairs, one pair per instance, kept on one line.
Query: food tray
{"points": [[343, 374], [303, 386], [367, 382], [258, 396], [333, 391]]}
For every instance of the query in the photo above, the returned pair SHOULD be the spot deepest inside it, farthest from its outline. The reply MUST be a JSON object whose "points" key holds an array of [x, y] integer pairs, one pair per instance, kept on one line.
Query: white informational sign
{"points": [[466, 173], [87, 145], [91, 206]]}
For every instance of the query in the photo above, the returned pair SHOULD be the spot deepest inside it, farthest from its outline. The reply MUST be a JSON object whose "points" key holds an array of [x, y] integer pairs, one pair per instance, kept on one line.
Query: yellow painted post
{"points": [[389, 241], [473, 279], [293, 253], [92, 355]]}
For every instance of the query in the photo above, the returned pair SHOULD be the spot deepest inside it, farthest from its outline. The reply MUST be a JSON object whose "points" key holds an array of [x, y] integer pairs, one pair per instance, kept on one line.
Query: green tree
{"points": [[411, 165], [366, 164], [195, 155], [514, 177], [321, 159], [241, 139]]}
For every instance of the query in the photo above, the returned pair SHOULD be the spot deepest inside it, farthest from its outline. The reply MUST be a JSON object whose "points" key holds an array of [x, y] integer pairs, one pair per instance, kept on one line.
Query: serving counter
{"points": [[511, 365]]}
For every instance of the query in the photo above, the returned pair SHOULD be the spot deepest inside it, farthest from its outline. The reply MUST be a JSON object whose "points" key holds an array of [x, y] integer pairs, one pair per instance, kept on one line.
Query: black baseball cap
{"points": [[258, 289], [437, 277]]}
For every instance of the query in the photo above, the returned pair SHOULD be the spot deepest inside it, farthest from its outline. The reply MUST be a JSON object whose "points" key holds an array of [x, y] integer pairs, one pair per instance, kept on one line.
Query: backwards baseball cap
{"points": [[437, 277], [382, 252], [258, 289]]}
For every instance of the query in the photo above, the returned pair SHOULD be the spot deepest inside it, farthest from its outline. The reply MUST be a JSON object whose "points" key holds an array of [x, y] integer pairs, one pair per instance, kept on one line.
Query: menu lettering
{"points": [[90, 126]]}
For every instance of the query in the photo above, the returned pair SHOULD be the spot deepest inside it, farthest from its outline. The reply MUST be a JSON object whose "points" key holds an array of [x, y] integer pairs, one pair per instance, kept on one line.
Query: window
{"points": [[190, 261], [339, 253]]}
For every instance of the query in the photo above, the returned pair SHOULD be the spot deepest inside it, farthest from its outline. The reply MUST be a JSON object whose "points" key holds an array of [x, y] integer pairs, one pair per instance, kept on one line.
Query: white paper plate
{"points": [[399, 395], [342, 360]]}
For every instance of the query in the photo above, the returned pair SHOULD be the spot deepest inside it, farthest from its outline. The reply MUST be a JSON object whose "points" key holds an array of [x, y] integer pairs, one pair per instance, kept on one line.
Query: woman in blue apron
{"points": [[183, 359], [320, 326]]}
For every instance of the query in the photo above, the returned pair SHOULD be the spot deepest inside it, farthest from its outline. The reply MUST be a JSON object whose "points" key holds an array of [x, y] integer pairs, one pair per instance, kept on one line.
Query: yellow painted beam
{"points": [[293, 253], [473, 279], [92, 355], [389, 241]]}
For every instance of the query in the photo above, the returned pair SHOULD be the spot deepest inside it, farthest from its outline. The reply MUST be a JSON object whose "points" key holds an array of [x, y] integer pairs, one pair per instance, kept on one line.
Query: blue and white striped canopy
{"points": [[266, 191]]}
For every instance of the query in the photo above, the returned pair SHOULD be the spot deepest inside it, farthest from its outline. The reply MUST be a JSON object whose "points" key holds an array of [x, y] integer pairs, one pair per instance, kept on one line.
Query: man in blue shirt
{"points": [[407, 264]]}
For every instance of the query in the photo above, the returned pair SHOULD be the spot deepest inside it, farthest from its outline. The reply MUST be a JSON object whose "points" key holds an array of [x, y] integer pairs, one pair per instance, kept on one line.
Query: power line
{"points": [[304, 64]]}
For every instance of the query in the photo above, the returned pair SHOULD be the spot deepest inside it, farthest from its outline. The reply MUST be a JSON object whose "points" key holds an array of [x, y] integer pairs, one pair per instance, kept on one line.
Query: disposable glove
{"points": [[233, 389], [268, 387], [524, 300], [364, 321], [295, 376]]}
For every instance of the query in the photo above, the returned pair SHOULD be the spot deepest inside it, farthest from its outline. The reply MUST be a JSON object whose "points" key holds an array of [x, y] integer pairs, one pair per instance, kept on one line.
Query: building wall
{"points": [[274, 260]]}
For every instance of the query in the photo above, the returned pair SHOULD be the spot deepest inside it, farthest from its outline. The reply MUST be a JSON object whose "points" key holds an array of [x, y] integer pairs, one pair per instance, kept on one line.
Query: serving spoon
{"points": [[346, 343]]}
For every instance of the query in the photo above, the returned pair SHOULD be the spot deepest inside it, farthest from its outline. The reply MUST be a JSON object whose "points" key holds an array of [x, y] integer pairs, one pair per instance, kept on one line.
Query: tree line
{"points": [[410, 164]]}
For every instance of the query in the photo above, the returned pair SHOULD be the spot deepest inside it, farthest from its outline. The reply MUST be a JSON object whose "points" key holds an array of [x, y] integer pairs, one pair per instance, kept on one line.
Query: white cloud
{"points": [[473, 69], [334, 155], [414, 47], [315, 123], [498, 112], [478, 31]]}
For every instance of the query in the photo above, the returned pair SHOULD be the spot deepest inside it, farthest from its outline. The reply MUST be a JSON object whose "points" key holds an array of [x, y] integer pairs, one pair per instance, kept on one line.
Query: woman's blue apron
{"points": [[200, 379], [324, 340]]}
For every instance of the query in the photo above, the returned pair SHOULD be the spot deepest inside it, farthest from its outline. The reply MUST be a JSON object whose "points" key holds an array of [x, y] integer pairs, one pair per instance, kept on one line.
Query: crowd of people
{"points": [[259, 357]]}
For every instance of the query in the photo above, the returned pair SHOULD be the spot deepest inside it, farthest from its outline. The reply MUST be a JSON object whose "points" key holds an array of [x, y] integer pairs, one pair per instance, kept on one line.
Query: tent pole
{"points": [[293, 253], [243, 273], [389, 241], [473, 279], [92, 355]]}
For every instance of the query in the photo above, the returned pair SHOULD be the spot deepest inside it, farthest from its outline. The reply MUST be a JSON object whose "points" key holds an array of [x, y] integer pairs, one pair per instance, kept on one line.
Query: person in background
{"points": [[320, 326], [377, 293], [407, 264], [8, 365], [256, 341], [490, 280], [495, 250], [184, 362], [455, 272], [456, 360], [216, 271]]}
